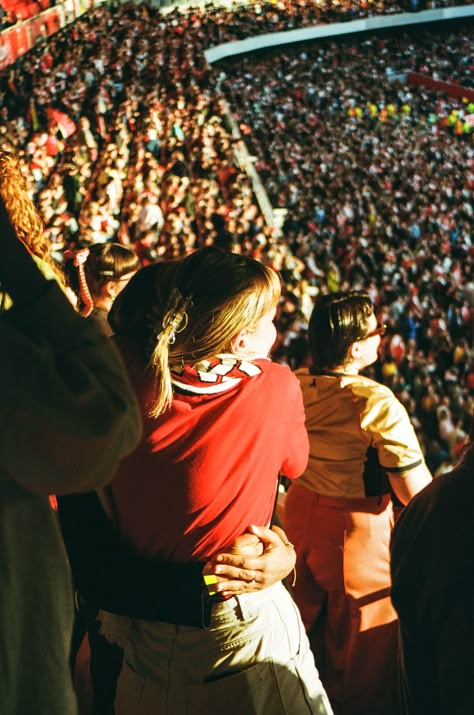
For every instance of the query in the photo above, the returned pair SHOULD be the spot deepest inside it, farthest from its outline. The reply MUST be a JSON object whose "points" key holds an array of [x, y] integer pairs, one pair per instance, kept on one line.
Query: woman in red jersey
{"points": [[220, 422]]}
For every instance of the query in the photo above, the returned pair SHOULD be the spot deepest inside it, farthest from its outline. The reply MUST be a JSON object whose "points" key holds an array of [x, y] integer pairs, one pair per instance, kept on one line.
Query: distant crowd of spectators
{"points": [[126, 138], [263, 16], [377, 181], [266, 17]]}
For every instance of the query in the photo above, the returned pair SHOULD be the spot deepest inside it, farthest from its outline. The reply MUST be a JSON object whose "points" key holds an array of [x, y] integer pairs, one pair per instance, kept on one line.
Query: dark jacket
{"points": [[433, 591], [67, 415]]}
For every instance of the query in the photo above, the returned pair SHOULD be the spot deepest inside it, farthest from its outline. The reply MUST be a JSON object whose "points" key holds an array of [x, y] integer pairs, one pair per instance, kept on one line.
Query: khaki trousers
{"points": [[253, 660]]}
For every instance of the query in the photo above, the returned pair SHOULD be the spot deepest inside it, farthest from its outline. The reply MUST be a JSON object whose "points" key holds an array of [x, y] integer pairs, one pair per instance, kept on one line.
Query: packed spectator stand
{"points": [[377, 183], [118, 119]]}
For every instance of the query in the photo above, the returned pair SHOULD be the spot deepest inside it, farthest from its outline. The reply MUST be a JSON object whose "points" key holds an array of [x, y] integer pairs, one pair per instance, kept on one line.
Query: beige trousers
{"points": [[253, 660]]}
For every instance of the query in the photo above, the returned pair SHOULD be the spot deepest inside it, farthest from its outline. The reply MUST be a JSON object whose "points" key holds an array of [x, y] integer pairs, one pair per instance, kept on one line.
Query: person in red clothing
{"points": [[220, 422]]}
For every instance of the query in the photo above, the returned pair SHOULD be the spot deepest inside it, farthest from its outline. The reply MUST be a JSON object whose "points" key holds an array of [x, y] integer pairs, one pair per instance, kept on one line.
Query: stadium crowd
{"points": [[243, 24], [377, 182], [126, 138]]}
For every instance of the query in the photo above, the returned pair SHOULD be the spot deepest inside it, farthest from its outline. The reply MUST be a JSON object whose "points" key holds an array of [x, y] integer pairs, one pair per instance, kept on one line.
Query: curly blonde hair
{"points": [[24, 216]]}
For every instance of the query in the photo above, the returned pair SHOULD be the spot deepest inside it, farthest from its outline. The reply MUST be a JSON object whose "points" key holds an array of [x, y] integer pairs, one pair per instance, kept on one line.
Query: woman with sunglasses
{"points": [[339, 514]]}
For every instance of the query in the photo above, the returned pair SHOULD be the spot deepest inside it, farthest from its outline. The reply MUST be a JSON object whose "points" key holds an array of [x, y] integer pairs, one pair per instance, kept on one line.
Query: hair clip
{"points": [[177, 320]]}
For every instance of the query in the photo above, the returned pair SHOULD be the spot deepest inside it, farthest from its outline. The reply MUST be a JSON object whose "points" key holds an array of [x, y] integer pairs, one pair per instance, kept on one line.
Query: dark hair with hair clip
{"points": [[108, 262]]}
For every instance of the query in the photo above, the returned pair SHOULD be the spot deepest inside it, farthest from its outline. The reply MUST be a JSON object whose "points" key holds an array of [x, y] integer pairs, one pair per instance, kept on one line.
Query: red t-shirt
{"points": [[207, 468]]}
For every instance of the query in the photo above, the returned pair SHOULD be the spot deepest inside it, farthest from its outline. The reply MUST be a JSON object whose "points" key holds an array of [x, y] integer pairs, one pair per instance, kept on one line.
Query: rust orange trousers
{"points": [[343, 593]]}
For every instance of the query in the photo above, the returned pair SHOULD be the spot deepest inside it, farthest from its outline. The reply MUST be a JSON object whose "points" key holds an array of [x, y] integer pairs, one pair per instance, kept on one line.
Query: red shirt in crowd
{"points": [[207, 468]]}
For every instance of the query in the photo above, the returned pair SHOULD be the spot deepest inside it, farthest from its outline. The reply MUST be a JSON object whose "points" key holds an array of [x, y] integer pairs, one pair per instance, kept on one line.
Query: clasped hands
{"points": [[255, 560]]}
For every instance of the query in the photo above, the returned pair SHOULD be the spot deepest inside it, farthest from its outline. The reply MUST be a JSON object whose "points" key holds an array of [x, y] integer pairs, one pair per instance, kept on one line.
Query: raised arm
{"points": [[63, 386]]}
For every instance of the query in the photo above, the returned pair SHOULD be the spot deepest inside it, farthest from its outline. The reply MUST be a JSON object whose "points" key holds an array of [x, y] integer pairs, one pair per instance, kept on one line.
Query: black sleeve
{"points": [[109, 576]]}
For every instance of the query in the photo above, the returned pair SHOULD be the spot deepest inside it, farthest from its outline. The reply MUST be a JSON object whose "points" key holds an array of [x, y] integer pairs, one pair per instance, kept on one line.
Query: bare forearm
{"points": [[407, 484]]}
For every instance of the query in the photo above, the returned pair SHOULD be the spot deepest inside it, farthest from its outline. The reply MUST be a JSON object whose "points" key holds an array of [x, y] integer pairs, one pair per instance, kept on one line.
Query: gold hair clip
{"points": [[176, 318]]}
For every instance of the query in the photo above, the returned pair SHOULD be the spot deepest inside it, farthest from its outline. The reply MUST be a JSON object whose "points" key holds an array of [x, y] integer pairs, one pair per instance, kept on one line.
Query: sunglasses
{"points": [[381, 329]]}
